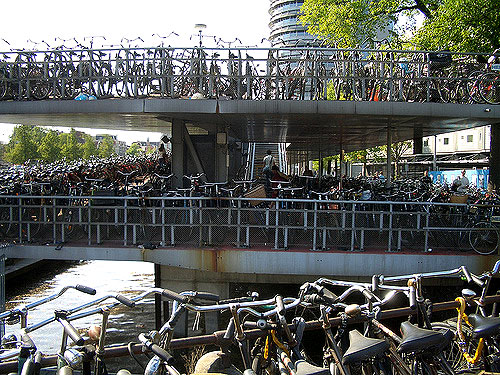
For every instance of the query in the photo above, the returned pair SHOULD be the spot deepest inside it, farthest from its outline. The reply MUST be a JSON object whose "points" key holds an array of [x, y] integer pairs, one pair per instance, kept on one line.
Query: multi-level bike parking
{"points": [[250, 73]]}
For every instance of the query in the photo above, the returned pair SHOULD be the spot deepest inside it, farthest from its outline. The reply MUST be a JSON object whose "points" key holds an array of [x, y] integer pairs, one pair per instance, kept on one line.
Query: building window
{"points": [[426, 143], [470, 138], [446, 141]]}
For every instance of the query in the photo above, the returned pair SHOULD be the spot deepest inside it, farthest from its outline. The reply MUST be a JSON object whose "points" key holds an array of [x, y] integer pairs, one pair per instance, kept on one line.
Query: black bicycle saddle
{"points": [[484, 326], [362, 348], [417, 339]]}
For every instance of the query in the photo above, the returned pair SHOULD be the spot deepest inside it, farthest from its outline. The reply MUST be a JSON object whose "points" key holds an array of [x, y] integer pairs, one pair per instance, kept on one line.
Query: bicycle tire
{"points": [[485, 239], [105, 81], [453, 353], [121, 84], [3, 87], [39, 84], [489, 87], [473, 86]]}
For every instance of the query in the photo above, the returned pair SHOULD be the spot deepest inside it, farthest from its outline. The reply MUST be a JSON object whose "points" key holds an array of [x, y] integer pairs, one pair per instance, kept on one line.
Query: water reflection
{"points": [[107, 277]]}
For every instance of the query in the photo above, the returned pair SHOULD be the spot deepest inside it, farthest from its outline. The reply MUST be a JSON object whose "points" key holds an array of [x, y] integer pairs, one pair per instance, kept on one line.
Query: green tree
{"points": [[89, 147], [50, 147], [134, 149], [459, 25], [71, 148], [462, 25], [106, 147], [23, 144], [398, 150]]}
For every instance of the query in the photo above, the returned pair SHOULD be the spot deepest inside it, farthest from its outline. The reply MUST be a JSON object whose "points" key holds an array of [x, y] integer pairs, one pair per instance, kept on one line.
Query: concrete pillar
{"points": [[180, 280], [418, 141], [495, 156], [178, 162], [221, 157]]}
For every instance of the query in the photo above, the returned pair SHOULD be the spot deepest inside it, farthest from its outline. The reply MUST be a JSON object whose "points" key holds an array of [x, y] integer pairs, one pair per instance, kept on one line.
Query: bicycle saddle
{"points": [[362, 348], [416, 339], [484, 326], [305, 368]]}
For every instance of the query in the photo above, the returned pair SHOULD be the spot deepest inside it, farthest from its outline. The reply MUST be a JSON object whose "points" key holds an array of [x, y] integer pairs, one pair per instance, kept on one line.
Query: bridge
{"points": [[321, 101]]}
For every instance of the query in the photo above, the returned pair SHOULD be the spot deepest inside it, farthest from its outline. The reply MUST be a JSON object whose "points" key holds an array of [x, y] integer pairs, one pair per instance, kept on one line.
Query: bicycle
{"points": [[475, 344], [489, 83], [484, 236]]}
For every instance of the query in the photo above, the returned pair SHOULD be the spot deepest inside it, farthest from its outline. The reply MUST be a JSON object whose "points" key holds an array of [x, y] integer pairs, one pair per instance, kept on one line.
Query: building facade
{"points": [[285, 27]]}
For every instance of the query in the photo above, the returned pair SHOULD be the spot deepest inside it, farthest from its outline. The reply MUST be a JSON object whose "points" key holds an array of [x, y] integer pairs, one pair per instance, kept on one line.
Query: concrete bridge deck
{"points": [[315, 124], [230, 264]]}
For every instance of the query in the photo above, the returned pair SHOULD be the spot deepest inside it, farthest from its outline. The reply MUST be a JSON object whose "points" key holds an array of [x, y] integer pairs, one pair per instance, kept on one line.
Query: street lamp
{"points": [[200, 27]]}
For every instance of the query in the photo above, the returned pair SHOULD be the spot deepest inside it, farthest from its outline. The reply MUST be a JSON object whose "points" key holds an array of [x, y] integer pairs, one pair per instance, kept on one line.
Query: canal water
{"points": [[107, 277]]}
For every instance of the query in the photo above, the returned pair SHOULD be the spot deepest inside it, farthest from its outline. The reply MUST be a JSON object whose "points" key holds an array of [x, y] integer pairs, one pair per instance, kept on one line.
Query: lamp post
{"points": [[200, 27]]}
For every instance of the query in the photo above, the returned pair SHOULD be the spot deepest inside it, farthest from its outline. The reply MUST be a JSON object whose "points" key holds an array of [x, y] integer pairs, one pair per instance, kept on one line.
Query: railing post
{"points": [[89, 220], [315, 222], [163, 234], [125, 221], [353, 226], [389, 240], [20, 219], [426, 240], [54, 221], [238, 225], [276, 223]]}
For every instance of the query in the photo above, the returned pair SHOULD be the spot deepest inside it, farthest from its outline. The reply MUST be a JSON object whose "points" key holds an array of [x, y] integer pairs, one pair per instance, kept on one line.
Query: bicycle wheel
{"points": [[121, 78], [489, 87], [39, 84], [484, 238], [3, 86], [473, 86], [453, 353], [105, 80]]}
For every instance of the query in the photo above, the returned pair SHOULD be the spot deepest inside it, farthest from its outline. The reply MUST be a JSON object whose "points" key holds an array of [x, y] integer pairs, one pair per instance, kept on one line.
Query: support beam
{"points": [[495, 156], [178, 162], [418, 143], [192, 152]]}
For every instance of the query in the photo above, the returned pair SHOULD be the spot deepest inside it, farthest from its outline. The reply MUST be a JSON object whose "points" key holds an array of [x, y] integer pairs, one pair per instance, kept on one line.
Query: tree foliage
{"points": [[89, 147], [35, 143], [50, 147], [134, 149], [106, 147], [462, 25], [459, 25], [23, 144], [71, 148]]}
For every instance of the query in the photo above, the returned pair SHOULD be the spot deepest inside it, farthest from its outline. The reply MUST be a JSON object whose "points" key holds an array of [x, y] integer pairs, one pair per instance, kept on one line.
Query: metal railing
{"points": [[240, 73], [249, 222]]}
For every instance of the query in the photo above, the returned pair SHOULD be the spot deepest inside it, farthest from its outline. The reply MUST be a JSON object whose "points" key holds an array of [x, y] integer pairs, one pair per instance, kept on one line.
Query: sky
{"points": [[46, 20]]}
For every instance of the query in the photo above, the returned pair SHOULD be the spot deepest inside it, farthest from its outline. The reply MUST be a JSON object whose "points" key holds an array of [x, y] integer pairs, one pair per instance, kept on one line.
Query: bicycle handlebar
{"points": [[62, 317], [157, 350], [70, 317], [23, 309]]}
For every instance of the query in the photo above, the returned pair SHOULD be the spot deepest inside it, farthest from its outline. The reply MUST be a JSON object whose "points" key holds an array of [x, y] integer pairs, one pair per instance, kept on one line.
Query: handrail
{"points": [[270, 222]]}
